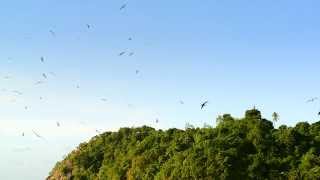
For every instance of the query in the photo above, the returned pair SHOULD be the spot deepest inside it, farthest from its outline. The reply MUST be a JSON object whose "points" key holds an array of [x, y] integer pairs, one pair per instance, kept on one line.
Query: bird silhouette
{"points": [[204, 104], [44, 75], [122, 53], [42, 59], [37, 135], [104, 99], [123, 7], [52, 33], [312, 99]]}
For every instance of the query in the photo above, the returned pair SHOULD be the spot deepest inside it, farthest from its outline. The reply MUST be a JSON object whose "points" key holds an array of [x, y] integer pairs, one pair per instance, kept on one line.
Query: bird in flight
{"points": [[204, 104], [312, 100], [104, 99], [122, 53], [52, 33], [181, 102], [88, 26], [137, 71], [23, 134], [36, 134], [123, 6], [131, 54], [157, 120], [44, 75], [42, 59]]}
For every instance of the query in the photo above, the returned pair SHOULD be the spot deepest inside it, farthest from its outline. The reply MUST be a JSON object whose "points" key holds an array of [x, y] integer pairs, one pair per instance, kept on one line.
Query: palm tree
{"points": [[275, 117]]}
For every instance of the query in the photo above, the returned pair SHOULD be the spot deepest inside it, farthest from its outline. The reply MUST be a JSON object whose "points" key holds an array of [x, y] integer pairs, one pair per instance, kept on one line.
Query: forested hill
{"points": [[247, 148]]}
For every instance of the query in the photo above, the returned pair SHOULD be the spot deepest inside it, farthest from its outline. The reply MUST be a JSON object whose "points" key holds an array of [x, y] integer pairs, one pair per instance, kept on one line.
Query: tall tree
{"points": [[275, 117]]}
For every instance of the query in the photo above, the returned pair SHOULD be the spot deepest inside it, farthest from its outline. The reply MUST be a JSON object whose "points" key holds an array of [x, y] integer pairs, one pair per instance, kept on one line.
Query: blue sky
{"points": [[235, 54]]}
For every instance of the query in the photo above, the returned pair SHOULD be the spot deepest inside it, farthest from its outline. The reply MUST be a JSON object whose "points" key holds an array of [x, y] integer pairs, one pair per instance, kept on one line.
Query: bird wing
{"points": [[36, 134], [204, 104], [123, 6]]}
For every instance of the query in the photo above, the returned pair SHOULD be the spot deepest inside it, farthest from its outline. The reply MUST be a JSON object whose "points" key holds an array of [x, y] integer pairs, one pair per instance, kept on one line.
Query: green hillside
{"points": [[246, 148]]}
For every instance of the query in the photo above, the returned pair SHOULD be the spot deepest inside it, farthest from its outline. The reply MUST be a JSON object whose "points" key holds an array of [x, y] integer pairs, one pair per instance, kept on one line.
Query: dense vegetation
{"points": [[247, 148]]}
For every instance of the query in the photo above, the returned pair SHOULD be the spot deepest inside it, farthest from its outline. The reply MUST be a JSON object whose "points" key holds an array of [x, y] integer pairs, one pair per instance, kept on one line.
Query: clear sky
{"points": [[235, 54]]}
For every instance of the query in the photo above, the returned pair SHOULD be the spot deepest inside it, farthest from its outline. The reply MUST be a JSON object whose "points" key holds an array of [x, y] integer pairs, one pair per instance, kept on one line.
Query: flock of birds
{"points": [[45, 77], [122, 53]]}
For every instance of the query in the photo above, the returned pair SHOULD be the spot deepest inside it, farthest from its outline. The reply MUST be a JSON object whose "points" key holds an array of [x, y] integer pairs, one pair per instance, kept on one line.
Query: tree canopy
{"points": [[237, 148]]}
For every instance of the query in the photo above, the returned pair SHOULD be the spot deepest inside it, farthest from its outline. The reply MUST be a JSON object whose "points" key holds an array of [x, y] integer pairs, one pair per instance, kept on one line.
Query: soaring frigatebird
{"points": [[204, 104]]}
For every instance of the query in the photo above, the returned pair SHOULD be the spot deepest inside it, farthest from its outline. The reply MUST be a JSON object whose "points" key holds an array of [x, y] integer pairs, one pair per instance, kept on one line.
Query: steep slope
{"points": [[247, 148]]}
